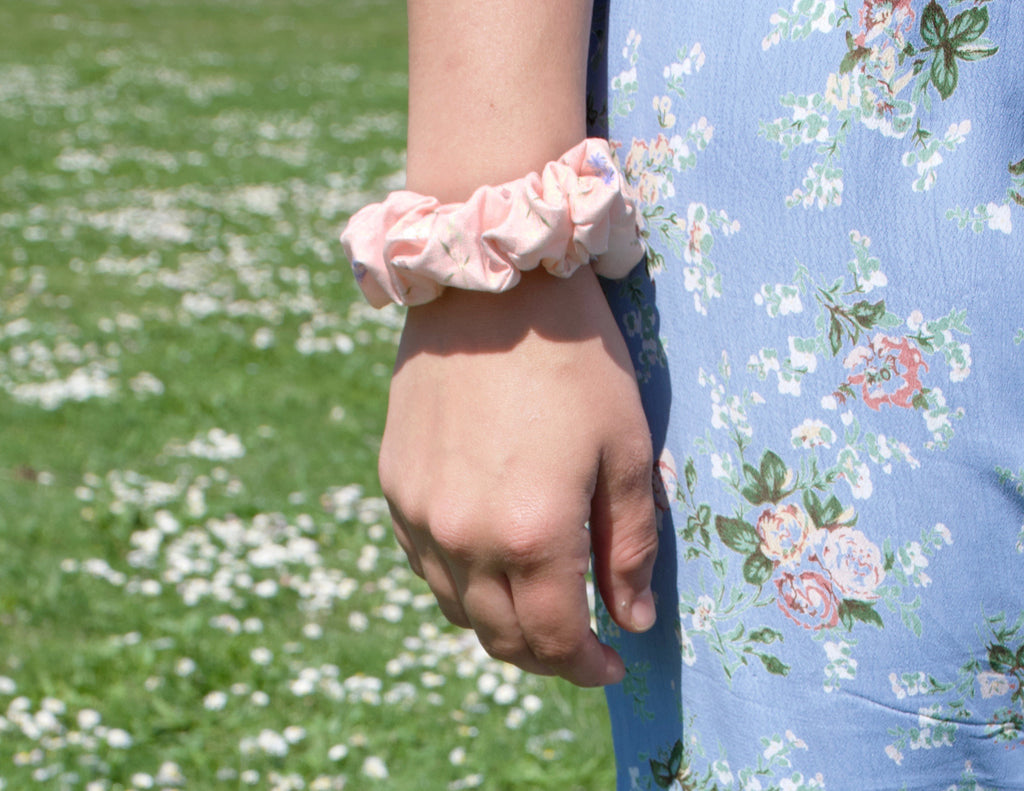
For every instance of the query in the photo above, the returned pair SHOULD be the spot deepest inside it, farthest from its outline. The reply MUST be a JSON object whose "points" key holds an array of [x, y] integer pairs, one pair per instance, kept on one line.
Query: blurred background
{"points": [[198, 587]]}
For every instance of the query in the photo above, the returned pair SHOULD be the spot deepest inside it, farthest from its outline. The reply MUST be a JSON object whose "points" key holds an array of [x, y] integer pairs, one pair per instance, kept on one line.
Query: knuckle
{"points": [[417, 569], [384, 473], [637, 554], [503, 648], [455, 537], [522, 546], [410, 553], [636, 460], [410, 493], [537, 533], [393, 483], [453, 613], [403, 511], [415, 563], [456, 533], [555, 651]]}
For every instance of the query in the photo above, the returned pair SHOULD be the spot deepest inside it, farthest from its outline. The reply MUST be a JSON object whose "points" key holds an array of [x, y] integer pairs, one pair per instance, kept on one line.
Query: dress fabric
{"points": [[829, 337]]}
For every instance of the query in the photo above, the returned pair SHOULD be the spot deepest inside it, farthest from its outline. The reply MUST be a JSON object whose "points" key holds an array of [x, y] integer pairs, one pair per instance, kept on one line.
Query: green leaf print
{"points": [[767, 484], [822, 514], [851, 610], [697, 526], [757, 569], [765, 635], [977, 50], [1001, 658], [934, 24], [773, 664], [959, 39], [882, 80], [1017, 168], [854, 56], [945, 72], [968, 26], [738, 535], [675, 760], [849, 321], [866, 314], [665, 773], [775, 475], [835, 335], [661, 774], [690, 475], [754, 490]]}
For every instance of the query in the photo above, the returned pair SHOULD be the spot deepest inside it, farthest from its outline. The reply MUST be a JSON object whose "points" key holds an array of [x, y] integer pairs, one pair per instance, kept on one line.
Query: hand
{"points": [[513, 419]]}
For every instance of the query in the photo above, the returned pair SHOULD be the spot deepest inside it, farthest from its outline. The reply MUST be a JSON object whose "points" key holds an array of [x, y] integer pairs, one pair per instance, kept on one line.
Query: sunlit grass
{"points": [[197, 586]]}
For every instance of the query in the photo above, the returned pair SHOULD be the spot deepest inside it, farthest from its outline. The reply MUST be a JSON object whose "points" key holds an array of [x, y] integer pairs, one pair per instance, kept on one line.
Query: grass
{"points": [[197, 586]]}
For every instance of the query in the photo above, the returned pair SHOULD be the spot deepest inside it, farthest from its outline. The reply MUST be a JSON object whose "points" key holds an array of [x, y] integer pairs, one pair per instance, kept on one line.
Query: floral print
{"points": [[652, 165], [992, 215], [783, 534], [675, 769], [887, 372], [898, 59], [989, 689], [853, 563], [828, 349]]}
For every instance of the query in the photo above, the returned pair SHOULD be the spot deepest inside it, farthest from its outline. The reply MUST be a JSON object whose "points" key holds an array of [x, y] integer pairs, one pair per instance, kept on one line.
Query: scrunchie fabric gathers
{"points": [[578, 210]]}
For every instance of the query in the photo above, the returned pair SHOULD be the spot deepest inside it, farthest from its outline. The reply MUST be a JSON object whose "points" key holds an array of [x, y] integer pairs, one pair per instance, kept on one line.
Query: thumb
{"points": [[625, 538]]}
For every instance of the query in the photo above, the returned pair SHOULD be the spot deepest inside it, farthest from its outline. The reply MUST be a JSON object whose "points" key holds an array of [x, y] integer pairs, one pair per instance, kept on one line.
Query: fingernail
{"points": [[642, 612]]}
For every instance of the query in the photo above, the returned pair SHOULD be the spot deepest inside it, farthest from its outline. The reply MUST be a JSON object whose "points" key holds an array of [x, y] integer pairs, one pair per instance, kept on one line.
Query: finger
{"points": [[442, 585], [553, 612], [405, 542], [487, 601], [436, 571], [625, 537], [403, 533]]}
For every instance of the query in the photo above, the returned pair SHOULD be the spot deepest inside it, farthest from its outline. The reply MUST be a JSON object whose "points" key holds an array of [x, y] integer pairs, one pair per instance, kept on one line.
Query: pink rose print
{"points": [[806, 598], [876, 14], [888, 372], [784, 532], [853, 563]]}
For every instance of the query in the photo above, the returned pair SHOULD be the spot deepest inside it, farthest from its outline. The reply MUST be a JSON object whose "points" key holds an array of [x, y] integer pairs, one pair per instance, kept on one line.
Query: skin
{"points": [[514, 418]]}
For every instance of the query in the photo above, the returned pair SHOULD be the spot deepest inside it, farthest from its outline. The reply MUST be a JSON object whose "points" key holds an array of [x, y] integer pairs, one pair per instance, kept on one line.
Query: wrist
{"points": [[541, 306]]}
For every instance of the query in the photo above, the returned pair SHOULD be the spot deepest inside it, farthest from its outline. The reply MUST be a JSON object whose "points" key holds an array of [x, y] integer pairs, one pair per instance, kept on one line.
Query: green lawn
{"points": [[197, 586]]}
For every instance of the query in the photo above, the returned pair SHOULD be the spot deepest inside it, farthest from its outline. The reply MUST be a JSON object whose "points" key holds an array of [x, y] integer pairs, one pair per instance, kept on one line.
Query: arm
{"points": [[496, 90], [514, 418]]}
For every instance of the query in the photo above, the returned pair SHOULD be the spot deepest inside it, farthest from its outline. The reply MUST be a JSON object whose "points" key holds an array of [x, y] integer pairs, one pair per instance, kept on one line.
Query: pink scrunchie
{"points": [[578, 210]]}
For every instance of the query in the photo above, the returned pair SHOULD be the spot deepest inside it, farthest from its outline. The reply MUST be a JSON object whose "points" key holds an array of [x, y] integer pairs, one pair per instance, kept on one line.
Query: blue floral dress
{"points": [[829, 336]]}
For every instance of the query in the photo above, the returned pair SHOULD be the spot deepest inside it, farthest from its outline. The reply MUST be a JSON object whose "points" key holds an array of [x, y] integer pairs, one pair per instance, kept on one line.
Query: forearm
{"points": [[496, 90]]}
